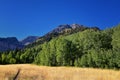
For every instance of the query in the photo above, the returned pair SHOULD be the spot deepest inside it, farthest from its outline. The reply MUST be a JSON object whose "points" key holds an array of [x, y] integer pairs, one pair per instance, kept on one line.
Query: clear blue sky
{"points": [[21, 18]]}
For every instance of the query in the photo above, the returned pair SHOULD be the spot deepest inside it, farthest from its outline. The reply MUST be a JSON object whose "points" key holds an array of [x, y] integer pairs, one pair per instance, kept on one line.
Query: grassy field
{"points": [[33, 72]]}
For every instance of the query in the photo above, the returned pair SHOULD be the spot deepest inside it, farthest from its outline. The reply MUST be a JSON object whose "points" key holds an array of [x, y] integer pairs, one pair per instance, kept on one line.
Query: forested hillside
{"points": [[87, 48]]}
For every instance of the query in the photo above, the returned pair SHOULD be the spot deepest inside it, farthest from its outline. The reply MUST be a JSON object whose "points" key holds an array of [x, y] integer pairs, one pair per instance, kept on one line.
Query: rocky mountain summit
{"points": [[63, 27]]}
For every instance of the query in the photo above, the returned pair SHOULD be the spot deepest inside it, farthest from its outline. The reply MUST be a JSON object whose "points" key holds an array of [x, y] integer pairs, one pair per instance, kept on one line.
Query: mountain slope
{"points": [[61, 30], [9, 43], [12, 43], [29, 40], [88, 48]]}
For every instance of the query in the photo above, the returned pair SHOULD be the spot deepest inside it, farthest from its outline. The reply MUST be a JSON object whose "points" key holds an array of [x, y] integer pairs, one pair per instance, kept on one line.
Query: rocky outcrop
{"points": [[29, 40]]}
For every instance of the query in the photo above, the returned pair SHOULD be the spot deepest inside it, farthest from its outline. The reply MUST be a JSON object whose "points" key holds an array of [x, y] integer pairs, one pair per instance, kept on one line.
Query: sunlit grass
{"points": [[33, 72]]}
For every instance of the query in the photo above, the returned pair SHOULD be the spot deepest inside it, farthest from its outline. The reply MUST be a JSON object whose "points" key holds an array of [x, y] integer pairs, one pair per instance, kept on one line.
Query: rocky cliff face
{"points": [[10, 43]]}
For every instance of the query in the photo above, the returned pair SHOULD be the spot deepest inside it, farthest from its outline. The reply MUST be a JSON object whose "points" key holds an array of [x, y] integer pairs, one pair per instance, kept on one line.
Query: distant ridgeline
{"points": [[71, 45], [9, 43]]}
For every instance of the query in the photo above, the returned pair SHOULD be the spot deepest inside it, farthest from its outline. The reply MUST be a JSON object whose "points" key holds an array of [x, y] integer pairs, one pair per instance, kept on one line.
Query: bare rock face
{"points": [[64, 29], [74, 26], [71, 27], [10, 43], [29, 40], [60, 28]]}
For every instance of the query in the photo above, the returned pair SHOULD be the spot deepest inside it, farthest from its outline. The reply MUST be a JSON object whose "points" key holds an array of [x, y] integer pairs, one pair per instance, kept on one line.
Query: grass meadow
{"points": [[34, 72]]}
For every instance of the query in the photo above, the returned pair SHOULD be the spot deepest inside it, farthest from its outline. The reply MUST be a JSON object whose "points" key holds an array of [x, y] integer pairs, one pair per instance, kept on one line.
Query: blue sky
{"points": [[21, 18]]}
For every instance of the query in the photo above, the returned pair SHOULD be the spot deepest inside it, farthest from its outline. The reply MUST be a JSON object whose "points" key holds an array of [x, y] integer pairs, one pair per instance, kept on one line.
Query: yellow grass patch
{"points": [[33, 72]]}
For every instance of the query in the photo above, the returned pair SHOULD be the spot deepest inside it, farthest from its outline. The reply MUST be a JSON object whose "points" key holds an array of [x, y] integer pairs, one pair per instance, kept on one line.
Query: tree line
{"points": [[89, 48]]}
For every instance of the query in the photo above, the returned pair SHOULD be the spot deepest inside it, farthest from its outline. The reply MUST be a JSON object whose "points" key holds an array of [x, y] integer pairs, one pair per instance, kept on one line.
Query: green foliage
{"points": [[89, 48], [116, 38]]}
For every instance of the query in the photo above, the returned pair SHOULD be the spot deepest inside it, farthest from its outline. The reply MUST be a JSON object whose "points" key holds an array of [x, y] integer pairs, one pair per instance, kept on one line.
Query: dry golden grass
{"points": [[33, 72]]}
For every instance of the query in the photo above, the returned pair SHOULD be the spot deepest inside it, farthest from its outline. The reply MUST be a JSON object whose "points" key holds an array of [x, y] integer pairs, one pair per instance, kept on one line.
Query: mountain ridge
{"points": [[28, 40], [12, 43], [65, 29]]}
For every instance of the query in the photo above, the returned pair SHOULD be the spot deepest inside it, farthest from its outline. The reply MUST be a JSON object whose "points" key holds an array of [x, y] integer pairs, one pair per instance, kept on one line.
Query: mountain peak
{"points": [[60, 28], [76, 26]]}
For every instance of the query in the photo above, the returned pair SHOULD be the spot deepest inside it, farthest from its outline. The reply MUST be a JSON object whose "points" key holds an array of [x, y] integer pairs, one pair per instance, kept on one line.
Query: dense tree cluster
{"points": [[89, 48]]}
